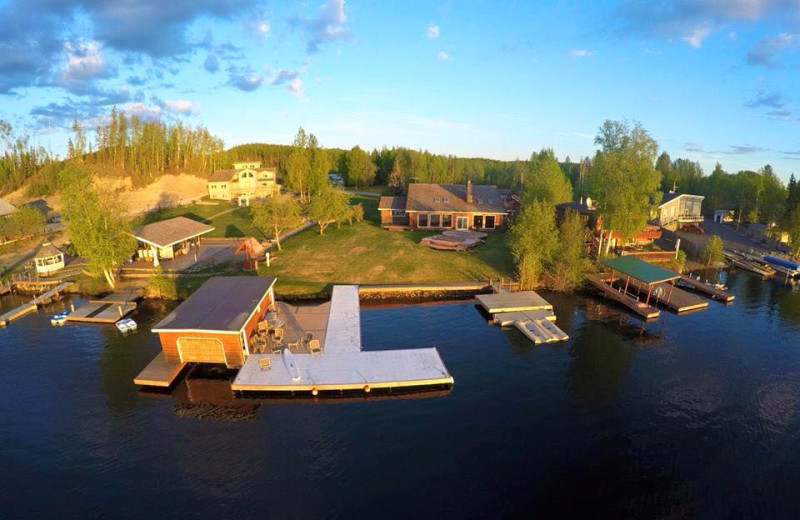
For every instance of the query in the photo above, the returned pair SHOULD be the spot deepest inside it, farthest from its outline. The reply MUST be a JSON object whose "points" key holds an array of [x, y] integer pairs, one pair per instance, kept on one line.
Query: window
{"points": [[398, 213], [437, 199], [435, 220], [447, 221], [422, 220], [489, 222], [447, 200]]}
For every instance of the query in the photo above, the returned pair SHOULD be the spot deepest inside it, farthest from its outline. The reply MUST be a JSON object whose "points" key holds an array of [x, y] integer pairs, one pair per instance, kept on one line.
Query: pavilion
{"points": [[167, 238]]}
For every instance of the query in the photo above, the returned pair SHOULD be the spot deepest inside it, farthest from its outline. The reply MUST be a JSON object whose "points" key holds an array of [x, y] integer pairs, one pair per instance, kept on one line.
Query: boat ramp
{"points": [[531, 314], [26, 308]]}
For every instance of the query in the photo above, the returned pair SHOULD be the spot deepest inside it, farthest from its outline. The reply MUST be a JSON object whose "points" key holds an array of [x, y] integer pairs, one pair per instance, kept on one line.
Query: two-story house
{"points": [[678, 210], [246, 181]]}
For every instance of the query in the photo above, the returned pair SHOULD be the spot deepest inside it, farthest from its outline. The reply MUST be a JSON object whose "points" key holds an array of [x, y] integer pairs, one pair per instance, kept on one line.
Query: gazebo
{"points": [[48, 259], [253, 250], [647, 275]]}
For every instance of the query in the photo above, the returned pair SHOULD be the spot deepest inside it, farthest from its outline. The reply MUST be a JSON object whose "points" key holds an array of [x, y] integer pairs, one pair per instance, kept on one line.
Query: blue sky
{"points": [[711, 80]]}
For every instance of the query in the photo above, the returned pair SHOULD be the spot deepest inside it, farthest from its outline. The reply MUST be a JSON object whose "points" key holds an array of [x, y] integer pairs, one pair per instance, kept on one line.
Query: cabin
{"points": [[217, 322], [246, 181], [168, 238], [48, 259], [679, 210], [594, 222], [447, 206], [6, 208]]}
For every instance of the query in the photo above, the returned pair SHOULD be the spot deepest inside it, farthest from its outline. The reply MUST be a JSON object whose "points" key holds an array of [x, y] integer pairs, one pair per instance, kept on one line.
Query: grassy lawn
{"points": [[365, 253], [235, 223]]}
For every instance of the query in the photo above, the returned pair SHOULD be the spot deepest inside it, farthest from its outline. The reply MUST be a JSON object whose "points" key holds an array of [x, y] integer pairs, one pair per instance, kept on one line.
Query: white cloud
{"points": [[432, 32], [296, 87], [180, 106], [732, 35], [264, 28], [697, 35], [657, 52], [765, 52], [85, 62], [443, 56], [330, 24], [581, 53], [142, 111]]}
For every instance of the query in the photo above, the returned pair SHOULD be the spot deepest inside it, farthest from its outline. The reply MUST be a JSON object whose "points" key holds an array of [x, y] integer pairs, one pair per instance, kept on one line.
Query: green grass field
{"points": [[235, 223], [364, 253]]}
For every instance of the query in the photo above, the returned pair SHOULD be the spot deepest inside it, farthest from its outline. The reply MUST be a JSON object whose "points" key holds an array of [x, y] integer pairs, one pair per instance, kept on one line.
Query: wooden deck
{"points": [[344, 323], [513, 302], [679, 300], [505, 319], [344, 371], [159, 373], [100, 312], [120, 298], [708, 289], [302, 320], [643, 311]]}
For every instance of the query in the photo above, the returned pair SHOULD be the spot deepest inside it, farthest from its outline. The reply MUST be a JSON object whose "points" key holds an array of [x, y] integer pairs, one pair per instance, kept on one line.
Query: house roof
{"points": [[221, 176], [672, 195], [6, 208], [222, 304], [171, 231], [47, 251], [392, 203], [640, 270], [580, 207], [453, 197], [40, 205]]}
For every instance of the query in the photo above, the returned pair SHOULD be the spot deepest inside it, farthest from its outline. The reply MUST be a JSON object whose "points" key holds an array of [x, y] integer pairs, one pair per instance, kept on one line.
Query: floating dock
{"points": [[527, 311], [641, 309], [513, 302], [159, 373], [706, 288], [107, 310], [365, 371], [31, 306], [739, 260]]}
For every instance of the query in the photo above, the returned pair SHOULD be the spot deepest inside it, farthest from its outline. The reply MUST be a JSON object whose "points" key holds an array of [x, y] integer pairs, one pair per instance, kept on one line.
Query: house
{"points": [[48, 259], [335, 179], [6, 208], [246, 181], [446, 206], [216, 323], [51, 216], [167, 238], [678, 210], [594, 222]]}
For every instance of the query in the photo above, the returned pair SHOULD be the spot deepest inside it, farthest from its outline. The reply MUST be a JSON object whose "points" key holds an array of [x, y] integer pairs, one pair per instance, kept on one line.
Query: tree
{"points": [[360, 168], [546, 180], [357, 213], [714, 252], [298, 165], [622, 178], [276, 214], [329, 207], [96, 223], [319, 166], [533, 241], [792, 227], [773, 196], [570, 257]]}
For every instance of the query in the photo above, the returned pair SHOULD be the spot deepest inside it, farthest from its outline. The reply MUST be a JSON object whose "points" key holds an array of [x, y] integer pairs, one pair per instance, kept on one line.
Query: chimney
{"points": [[469, 192]]}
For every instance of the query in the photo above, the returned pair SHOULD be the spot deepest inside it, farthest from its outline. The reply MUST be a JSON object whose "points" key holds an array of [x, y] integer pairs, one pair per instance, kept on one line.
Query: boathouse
{"points": [[215, 324], [165, 239]]}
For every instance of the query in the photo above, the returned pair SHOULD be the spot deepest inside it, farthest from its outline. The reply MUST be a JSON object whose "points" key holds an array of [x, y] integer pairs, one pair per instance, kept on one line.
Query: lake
{"points": [[689, 416]]}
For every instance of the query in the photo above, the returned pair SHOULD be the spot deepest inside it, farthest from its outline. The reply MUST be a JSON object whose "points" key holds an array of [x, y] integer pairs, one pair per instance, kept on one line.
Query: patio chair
{"points": [[314, 346], [265, 363], [277, 334], [263, 327]]}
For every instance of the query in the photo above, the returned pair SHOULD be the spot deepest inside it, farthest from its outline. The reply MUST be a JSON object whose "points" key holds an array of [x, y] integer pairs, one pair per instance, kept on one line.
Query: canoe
{"points": [[291, 364]]}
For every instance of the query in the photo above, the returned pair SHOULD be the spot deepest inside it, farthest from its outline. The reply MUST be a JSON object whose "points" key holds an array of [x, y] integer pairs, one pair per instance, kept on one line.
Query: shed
{"points": [[166, 238], [48, 259], [215, 324], [253, 251]]}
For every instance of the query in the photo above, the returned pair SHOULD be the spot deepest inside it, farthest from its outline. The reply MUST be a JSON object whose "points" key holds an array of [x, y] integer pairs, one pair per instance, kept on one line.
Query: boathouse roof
{"points": [[171, 231], [640, 270], [222, 304]]}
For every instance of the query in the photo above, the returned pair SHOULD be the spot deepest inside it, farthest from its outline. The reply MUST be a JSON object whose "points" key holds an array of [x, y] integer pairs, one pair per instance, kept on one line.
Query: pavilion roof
{"points": [[640, 270]]}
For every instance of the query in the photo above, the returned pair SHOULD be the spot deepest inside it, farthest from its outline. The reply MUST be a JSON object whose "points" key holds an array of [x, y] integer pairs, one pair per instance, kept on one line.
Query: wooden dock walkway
{"points": [[706, 288], [159, 373], [33, 305], [107, 310], [513, 302], [343, 333], [674, 298], [365, 371], [644, 311]]}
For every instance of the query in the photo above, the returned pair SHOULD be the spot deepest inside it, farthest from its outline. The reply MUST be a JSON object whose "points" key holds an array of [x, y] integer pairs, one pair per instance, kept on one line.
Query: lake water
{"points": [[690, 416]]}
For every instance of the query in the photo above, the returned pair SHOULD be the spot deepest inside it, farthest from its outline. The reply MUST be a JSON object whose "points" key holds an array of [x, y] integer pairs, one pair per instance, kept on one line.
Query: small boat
{"points": [[126, 325], [59, 319], [291, 364]]}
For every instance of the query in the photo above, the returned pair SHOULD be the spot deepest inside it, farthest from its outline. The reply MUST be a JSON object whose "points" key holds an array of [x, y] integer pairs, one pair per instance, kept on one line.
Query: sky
{"points": [[711, 80]]}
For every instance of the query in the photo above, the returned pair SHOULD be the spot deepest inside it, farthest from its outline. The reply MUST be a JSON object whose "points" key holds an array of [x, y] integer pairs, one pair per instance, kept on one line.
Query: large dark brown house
{"points": [[446, 206]]}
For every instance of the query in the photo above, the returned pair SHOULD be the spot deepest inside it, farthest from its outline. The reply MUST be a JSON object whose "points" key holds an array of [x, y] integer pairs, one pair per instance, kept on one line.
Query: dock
{"points": [[5, 288], [706, 288], [364, 371], [672, 297], [159, 373], [33, 305], [527, 311], [342, 365], [741, 261], [641, 309], [107, 310]]}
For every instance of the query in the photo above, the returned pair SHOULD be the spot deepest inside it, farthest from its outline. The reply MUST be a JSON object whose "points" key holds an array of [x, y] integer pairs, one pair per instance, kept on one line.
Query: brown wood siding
{"points": [[232, 344]]}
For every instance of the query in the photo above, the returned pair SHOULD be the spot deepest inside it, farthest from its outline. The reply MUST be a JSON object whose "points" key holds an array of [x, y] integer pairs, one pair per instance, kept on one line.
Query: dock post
{"points": [[119, 309]]}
